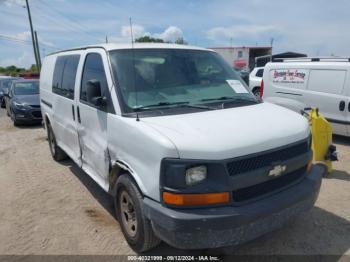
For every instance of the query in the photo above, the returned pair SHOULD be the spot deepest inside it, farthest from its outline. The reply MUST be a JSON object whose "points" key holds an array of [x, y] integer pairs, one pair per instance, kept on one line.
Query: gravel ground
{"points": [[55, 208]]}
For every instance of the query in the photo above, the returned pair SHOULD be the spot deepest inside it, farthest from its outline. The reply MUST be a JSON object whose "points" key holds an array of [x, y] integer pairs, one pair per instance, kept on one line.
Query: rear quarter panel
{"points": [[45, 84]]}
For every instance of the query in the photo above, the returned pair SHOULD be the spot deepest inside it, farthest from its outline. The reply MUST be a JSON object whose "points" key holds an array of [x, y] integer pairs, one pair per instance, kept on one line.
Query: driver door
{"points": [[92, 120]]}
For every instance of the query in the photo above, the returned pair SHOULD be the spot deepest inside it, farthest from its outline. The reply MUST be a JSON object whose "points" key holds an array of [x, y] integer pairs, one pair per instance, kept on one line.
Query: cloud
{"points": [[10, 3], [137, 31], [26, 36], [23, 35], [26, 59], [170, 34], [239, 31]]}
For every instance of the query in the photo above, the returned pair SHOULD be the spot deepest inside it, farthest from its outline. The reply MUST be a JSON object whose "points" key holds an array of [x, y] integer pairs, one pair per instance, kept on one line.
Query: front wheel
{"points": [[135, 226]]}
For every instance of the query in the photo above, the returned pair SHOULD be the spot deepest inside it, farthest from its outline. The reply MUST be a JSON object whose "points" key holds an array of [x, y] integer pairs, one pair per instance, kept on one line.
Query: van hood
{"points": [[233, 132]]}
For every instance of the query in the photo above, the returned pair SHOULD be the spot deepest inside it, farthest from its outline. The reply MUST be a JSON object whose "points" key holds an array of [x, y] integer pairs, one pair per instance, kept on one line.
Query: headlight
{"points": [[195, 175], [1, 93], [21, 106]]}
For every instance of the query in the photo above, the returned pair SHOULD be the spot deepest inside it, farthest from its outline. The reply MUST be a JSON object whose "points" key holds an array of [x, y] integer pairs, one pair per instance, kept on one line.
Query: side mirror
{"points": [[94, 93], [5, 92]]}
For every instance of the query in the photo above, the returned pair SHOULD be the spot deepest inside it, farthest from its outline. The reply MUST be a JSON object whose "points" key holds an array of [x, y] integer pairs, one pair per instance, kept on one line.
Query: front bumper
{"points": [[27, 115], [232, 225]]}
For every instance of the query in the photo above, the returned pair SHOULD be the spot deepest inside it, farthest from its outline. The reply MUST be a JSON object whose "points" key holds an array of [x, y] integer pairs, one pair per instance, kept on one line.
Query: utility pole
{"points": [[271, 44], [37, 50], [32, 33]]}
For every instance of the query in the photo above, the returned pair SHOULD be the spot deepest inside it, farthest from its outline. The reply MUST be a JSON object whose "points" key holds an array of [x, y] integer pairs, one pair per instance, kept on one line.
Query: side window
{"points": [[69, 74], [327, 81], [64, 75], [240, 54], [260, 73], [93, 70], [57, 74]]}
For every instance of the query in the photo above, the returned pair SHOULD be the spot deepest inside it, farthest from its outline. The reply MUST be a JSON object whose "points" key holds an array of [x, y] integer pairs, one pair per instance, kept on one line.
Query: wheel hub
{"points": [[128, 214]]}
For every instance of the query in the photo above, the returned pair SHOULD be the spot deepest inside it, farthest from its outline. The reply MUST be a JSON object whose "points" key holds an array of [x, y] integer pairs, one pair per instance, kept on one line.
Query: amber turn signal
{"points": [[196, 199]]}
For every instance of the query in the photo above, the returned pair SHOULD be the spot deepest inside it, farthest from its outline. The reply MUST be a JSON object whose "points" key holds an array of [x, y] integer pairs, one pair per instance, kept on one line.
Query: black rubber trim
{"points": [[46, 103], [335, 121], [285, 93]]}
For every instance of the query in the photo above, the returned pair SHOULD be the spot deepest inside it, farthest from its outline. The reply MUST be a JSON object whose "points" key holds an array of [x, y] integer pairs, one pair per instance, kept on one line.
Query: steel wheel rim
{"points": [[52, 142], [128, 214], [257, 94]]}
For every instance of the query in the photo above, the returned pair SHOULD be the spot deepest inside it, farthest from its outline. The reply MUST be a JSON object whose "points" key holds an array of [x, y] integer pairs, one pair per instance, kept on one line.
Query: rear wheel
{"points": [[57, 153], [136, 227], [256, 92]]}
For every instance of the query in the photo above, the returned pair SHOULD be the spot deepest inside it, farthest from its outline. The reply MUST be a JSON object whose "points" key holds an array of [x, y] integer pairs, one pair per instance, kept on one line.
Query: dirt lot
{"points": [[55, 208]]}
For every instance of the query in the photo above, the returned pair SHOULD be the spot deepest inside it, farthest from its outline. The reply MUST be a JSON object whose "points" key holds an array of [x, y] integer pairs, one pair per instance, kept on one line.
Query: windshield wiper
{"points": [[173, 104], [231, 99], [160, 104], [218, 98]]}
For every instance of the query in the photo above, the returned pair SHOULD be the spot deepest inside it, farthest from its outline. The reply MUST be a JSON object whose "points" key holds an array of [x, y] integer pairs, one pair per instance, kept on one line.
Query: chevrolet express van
{"points": [[190, 156], [312, 82]]}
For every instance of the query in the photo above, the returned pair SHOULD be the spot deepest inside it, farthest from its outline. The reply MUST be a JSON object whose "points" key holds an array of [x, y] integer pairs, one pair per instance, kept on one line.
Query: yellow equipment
{"points": [[323, 150]]}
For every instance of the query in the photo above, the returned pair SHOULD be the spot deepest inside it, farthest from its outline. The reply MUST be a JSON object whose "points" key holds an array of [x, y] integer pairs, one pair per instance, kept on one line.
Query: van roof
{"points": [[313, 59], [118, 46]]}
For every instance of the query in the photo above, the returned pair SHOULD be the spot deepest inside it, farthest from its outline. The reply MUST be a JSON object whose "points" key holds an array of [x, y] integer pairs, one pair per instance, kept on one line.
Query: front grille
{"points": [[36, 114], [35, 106], [266, 159], [261, 189]]}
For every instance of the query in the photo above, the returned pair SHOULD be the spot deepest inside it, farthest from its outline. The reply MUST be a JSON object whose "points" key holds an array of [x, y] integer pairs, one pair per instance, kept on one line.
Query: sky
{"points": [[314, 27]]}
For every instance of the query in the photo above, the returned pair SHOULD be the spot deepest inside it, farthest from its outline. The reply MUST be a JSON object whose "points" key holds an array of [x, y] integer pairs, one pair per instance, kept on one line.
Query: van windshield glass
{"points": [[26, 88], [172, 77]]}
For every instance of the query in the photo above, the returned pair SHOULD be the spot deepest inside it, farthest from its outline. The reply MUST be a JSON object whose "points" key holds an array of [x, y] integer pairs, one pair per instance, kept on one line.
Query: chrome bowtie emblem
{"points": [[277, 170]]}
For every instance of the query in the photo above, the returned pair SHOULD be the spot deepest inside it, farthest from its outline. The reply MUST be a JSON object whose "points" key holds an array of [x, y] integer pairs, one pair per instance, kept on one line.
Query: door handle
{"points": [[78, 113], [73, 112], [342, 105]]}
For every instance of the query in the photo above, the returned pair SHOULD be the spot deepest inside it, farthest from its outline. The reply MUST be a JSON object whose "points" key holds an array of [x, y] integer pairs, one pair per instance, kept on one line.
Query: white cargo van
{"points": [[190, 156], [312, 82]]}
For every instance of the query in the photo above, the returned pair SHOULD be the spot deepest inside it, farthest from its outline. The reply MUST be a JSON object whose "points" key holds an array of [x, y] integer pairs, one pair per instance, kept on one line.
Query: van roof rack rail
{"points": [[313, 59]]}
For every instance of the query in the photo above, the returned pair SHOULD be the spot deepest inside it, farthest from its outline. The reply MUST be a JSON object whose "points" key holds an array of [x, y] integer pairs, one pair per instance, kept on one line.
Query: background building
{"points": [[263, 60], [242, 58]]}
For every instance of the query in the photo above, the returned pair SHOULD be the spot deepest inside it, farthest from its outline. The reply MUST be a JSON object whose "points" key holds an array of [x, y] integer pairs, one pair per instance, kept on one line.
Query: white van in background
{"points": [[312, 82]]}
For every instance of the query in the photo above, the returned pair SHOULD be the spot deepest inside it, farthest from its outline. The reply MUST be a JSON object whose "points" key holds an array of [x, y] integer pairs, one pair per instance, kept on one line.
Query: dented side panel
{"points": [[139, 148]]}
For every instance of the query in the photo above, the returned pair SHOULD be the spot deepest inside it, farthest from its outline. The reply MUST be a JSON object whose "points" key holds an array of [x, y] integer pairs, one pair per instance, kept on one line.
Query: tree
{"points": [[33, 68], [181, 41], [148, 39]]}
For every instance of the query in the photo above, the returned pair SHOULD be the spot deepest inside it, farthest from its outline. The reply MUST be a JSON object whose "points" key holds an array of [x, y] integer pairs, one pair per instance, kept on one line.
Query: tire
{"points": [[57, 153], [256, 92], [137, 229], [15, 122], [3, 103], [13, 118]]}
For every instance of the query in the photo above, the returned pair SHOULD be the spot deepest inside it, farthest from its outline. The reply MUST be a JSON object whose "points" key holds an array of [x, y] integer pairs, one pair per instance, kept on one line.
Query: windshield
{"points": [[165, 77], [6, 83], [26, 88]]}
